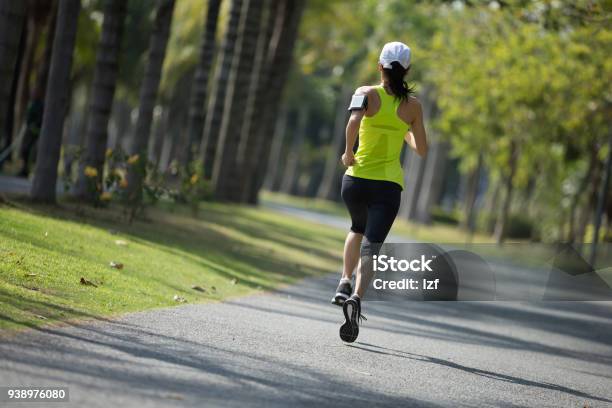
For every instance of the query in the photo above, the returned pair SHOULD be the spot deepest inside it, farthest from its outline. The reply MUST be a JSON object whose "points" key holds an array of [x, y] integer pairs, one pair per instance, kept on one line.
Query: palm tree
{"points": [[291, 170], [328, 189], [282, 42], [42, 72], [40, 14], [504, 209], [148, 97], [276, 147], [226, 180], [56, 99], [216, 103], [103, 91], [254, 108], [12, 17], [200, 80]]}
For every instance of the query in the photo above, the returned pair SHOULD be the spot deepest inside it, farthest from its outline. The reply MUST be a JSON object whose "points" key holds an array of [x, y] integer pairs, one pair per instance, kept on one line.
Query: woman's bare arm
{"points": [[416, 137], [352, 130]]}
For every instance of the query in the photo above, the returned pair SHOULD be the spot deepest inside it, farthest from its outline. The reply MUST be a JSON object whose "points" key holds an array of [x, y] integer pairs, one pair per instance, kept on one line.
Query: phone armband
{"points": [[358, 102]]}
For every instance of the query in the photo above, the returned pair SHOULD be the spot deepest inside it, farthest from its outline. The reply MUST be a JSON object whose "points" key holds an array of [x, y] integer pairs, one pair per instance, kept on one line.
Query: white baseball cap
{"points": [[395, 51]]}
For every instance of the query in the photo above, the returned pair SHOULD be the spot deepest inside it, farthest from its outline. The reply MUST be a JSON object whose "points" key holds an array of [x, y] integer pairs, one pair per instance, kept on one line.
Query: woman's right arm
{"points": [[352, 130]]}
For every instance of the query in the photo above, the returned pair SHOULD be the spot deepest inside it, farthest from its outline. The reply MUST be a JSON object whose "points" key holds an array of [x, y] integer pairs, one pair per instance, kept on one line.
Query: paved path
{"points": [[282, 349], [14, 185]]}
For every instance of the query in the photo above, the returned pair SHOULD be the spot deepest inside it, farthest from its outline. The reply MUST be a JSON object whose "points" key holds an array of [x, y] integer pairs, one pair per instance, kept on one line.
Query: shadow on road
{"points": [[476, 371], [133, 360]]}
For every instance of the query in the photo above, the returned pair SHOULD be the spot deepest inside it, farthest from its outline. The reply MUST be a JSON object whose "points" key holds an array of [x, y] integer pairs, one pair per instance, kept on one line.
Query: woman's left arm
{"points": [[416, 137]]}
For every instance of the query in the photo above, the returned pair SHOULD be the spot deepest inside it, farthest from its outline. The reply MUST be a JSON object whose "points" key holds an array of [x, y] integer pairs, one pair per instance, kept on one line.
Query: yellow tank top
{"points": [[381, 138]]}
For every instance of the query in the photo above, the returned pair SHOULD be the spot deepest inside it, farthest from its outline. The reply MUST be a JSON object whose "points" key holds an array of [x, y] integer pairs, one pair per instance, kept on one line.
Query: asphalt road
{"points": [[282, 349], [14, 185]]}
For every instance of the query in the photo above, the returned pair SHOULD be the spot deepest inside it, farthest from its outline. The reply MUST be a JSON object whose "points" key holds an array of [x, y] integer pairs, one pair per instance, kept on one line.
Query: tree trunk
{"points": [[277, 144], [159, 135], [178, 118], [589, 206], [39, 12], [122, 119], [12, 17], [279, 27], [216, 104], [56, 101], [468, 221], [249, 139], [23, 82], [148, 97], [283, 41], [226, 177], [500, 227], [601, 201], [42, 74], [177, 114], [433, 180], [316, 167], [102, 95], [416, 164], [37, 97], [9, 125], [290, 172], [571, 235], [167, 142], [414, 180], [328, 189], [491, 207], [197, 106]]}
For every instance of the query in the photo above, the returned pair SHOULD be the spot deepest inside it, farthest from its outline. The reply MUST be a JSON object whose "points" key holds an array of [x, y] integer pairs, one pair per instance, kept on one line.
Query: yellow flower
{"points": [[91, 172], [106, 196], [109, 152], [133, 159], [193, 179], [123, 183]]}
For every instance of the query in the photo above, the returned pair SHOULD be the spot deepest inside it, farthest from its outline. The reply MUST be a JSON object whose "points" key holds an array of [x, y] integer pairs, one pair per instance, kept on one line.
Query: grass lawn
{"points": [[227, 251]]}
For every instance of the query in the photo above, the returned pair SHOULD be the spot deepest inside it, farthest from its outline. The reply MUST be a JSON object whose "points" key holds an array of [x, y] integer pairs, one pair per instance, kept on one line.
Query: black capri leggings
{"points": [[373, 205]]}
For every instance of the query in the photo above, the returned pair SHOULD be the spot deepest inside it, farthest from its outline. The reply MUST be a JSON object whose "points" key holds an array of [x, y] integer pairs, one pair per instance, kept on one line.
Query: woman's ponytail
{"points": [[395, 75]]}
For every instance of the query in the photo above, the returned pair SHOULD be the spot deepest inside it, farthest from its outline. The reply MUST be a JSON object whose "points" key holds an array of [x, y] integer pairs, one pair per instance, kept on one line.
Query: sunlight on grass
{"points": [[46, 250]]}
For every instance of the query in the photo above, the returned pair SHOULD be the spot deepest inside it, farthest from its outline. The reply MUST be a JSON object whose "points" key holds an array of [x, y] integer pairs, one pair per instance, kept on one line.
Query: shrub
{"points": [[438, 215], [519, 226]]}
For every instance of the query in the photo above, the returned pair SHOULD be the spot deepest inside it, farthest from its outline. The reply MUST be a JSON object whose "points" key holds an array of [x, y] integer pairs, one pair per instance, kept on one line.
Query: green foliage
{"points": [[135, 43], [88, 36], [183, 46], [438, 215], [519, 227], [536, 76]]}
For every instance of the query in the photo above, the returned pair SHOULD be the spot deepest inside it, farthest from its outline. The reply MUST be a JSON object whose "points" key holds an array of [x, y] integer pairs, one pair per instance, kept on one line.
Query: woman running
{"points": [[374, 180]]}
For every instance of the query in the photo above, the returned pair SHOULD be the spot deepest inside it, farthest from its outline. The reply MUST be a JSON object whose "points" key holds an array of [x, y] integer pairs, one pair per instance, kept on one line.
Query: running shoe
{"points": [[343, 292], [352, 314]]}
